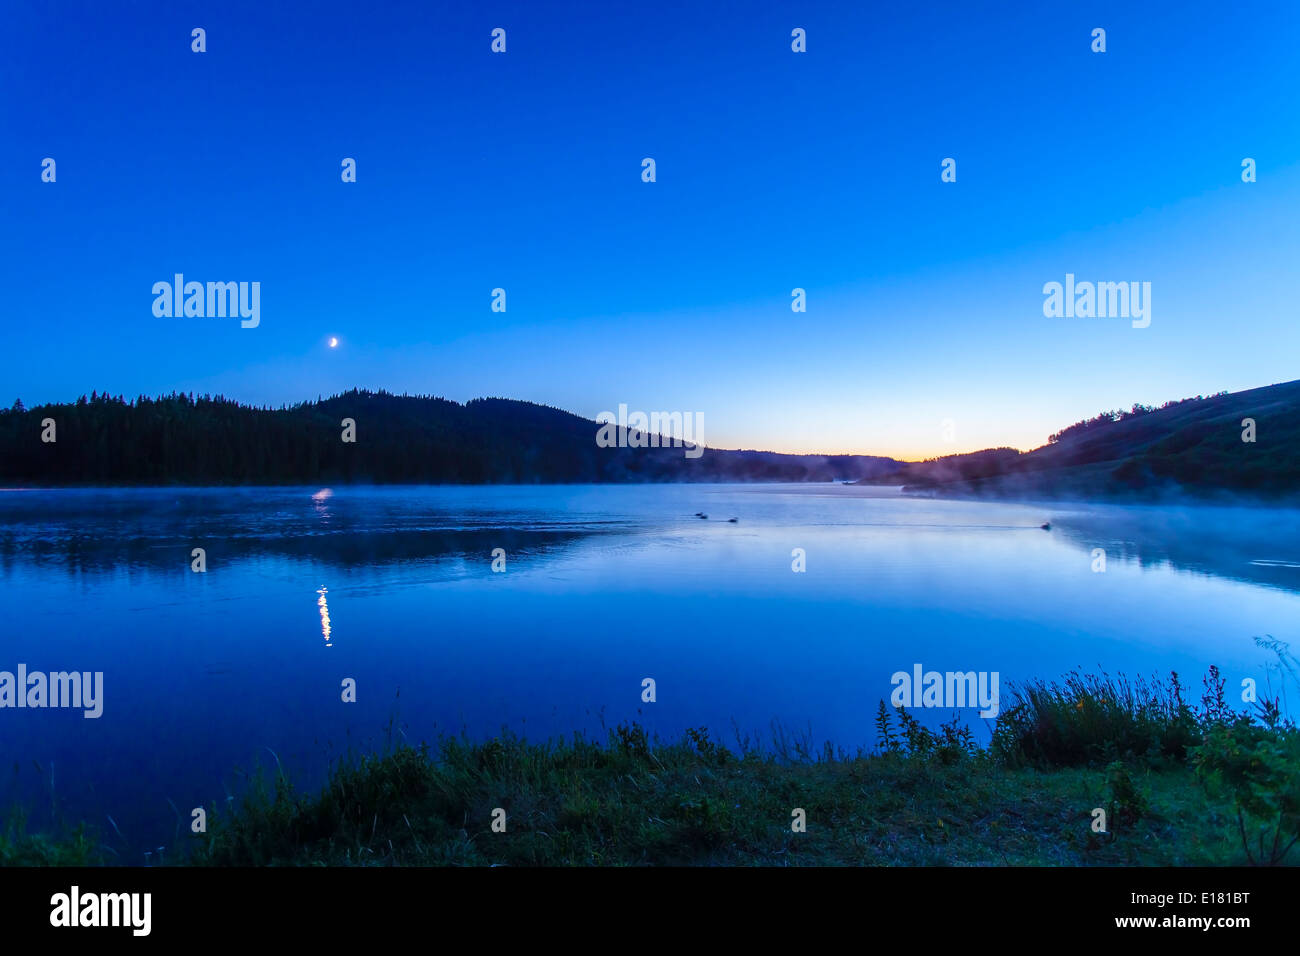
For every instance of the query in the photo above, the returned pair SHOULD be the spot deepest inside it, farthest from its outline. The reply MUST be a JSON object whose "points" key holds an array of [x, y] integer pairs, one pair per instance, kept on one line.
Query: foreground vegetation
{"points": [[1170, 784]]}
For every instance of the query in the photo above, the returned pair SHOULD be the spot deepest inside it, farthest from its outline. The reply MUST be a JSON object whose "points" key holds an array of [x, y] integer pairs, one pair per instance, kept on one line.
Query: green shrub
{"points": [[1259, 767], [1128, 802]]}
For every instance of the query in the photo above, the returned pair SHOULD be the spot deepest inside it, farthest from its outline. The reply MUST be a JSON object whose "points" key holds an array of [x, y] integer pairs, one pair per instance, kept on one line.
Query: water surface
{"points": [[604, 586]]}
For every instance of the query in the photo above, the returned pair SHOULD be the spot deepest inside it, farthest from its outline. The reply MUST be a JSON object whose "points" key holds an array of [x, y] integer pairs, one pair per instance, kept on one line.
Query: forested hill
{"points": [[179, 439], [1240, 443]]}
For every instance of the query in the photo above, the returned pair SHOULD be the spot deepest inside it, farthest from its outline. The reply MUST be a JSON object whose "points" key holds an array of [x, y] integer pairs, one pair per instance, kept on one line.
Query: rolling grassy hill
{"points": [[1194, 447]]}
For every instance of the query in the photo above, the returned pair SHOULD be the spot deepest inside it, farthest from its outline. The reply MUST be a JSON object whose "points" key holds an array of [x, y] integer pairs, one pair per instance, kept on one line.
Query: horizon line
{"points": [[286, 406]]}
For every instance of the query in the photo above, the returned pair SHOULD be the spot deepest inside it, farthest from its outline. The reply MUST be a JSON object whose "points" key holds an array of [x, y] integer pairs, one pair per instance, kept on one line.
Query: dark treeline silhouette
{"points": [[181, 439]]}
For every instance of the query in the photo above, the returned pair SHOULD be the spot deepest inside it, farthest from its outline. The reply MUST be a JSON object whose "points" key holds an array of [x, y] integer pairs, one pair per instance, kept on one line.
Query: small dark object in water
{"points": [[1047, 526], [701, 515], [733, 520]]}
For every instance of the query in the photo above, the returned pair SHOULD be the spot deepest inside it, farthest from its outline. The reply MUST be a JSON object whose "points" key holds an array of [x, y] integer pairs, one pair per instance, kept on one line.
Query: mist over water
{"points": [[604, 586]]}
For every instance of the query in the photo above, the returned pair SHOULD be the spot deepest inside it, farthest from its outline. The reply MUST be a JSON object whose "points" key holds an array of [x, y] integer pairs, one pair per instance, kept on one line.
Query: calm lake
{"points": [[603, 587]]}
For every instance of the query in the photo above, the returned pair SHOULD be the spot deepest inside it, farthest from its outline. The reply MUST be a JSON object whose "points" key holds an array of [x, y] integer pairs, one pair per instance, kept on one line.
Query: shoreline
{"points": [[1089, 771]]}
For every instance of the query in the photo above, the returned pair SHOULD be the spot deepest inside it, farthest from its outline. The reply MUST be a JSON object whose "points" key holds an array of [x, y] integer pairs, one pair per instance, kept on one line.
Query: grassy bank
{"points": [[1177, 784]]}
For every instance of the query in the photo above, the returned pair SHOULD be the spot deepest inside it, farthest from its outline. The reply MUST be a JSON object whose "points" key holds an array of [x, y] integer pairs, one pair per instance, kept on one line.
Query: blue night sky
{"points": [[775, 170]]}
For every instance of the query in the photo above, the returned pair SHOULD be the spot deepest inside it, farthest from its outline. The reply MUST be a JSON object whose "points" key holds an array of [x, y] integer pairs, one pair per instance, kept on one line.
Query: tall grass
{"points": [[1060, 749], [1094, 719]]}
